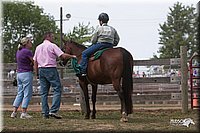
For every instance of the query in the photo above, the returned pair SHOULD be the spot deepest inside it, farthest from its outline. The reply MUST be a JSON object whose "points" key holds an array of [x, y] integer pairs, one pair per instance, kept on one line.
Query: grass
{"points": [[106, 121]]}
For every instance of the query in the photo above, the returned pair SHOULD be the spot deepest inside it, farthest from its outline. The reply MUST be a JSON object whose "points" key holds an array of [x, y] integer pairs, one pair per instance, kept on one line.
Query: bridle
{"points": [[68, 50]]}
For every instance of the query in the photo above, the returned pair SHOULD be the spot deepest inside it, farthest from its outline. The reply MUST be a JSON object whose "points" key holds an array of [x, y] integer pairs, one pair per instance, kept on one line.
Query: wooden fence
{"points": [[146, 90]]}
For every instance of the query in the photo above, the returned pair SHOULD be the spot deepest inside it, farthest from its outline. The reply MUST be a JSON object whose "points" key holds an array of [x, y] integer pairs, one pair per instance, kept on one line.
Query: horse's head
{"points": [[71, 47], [66, 49]]}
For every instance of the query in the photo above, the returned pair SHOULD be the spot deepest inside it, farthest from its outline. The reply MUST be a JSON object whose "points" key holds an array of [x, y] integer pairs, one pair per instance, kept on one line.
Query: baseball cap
{"points": [[24, 40]]}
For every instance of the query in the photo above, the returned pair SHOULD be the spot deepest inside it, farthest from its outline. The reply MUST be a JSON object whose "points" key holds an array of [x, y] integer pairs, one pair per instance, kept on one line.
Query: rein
{"points": [[79, 55], [68, 49]]}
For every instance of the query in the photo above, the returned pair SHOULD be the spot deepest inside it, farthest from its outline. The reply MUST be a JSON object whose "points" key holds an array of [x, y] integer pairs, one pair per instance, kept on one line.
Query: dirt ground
{"points": [[98, 107], [107, 120]]}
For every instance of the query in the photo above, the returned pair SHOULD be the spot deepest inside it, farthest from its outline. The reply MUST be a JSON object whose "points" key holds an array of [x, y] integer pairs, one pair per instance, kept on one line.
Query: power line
{"points": [[130, 19]]}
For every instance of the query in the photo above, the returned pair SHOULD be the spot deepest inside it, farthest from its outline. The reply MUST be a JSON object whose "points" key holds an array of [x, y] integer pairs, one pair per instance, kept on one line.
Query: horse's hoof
{"points": [[93, 117], [87, 117], [124, 120]]}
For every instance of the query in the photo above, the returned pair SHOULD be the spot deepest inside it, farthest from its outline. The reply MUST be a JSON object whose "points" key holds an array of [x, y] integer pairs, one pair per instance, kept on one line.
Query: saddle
{"points": [[95, 56]]}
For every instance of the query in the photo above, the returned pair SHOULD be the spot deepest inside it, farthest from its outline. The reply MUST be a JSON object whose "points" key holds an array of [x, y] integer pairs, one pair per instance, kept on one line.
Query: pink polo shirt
{"points": [[46, 54]]}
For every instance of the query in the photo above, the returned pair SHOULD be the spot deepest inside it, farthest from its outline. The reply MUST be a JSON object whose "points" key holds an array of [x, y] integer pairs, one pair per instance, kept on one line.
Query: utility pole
{"points": [[61, 31], [61, 26], [68, 16]]}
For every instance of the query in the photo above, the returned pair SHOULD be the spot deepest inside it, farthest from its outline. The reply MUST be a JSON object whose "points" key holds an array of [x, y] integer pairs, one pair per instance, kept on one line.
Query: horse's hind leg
{"points": [[118, 88], [84, 87], [94, 93]]}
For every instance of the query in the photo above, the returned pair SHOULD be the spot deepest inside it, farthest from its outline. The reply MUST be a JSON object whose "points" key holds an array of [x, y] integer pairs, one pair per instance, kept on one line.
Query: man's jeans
{"points": [[50, 77], [25, 89], [89, 51]]}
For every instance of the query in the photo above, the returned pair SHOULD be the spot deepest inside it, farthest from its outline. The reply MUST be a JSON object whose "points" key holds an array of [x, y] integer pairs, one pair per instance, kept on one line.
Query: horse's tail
{"points": [[127, 81]]}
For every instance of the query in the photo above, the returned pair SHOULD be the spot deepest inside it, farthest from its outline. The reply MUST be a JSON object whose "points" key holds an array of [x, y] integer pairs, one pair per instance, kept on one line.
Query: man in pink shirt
{"points": [[45, 66]]}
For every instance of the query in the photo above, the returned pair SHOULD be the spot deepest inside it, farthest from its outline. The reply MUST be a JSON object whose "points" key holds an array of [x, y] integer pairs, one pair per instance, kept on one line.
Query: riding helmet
{"points": [[103, 17]]}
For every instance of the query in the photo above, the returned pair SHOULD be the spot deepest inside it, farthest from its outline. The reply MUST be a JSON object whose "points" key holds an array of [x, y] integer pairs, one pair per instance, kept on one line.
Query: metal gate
{"points": [[195, 81]]}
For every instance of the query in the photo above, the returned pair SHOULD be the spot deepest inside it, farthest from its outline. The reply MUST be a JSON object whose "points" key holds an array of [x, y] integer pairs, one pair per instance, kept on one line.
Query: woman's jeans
{"points": [[49, 77], [25, 89], [89, 51]]}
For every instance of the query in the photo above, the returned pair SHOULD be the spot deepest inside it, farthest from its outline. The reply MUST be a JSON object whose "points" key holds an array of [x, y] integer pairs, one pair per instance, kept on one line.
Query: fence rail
{"points": [[104, 98], [146, 90]]}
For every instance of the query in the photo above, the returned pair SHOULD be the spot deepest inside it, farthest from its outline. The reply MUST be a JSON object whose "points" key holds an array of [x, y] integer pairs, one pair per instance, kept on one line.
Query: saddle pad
{"points": [[75, 65], [98, 53]]}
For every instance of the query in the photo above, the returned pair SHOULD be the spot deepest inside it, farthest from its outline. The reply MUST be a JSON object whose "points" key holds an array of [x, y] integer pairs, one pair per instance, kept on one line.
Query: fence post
{"points": [[82, 102], [184, 79], [198, 26]]}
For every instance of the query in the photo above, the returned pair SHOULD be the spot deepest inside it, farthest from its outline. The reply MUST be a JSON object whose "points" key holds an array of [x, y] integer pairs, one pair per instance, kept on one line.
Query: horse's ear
{"points": [[63, 39]]}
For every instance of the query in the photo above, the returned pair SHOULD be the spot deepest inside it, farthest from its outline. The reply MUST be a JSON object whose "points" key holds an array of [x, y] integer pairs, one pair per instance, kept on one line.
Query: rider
{"points": [[104, 37]]}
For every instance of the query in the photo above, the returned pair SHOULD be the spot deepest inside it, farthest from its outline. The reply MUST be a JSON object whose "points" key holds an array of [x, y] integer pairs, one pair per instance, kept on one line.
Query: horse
{"points": [[11, 74], [114, 65]]}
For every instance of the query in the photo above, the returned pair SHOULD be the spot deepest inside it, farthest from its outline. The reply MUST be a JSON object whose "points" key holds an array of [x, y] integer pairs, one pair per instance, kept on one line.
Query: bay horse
{"points": [[114, 65]]}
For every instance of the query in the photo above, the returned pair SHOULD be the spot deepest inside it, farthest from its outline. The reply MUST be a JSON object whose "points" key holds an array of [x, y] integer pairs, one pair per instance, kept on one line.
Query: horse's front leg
{"points": [[94, 93], [84, 87]]}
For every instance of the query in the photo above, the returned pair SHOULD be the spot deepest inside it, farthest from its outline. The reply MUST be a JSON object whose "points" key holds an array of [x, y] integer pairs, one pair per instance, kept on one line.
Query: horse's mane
{"points": [[76, 44]]}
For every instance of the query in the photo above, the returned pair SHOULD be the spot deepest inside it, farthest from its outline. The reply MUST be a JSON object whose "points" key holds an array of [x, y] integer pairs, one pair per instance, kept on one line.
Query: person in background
{"points": [[105, 37], [24, 58], [45, 67], [143, 74]]}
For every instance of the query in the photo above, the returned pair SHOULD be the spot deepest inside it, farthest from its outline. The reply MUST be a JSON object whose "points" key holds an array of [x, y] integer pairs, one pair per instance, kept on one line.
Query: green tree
{"points": [[23, 18], [20, 19], [180, 29], [81, 33]]}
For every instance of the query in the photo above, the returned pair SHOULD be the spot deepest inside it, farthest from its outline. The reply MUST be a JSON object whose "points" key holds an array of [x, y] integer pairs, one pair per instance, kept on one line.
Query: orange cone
{"points": [[195, 101]]}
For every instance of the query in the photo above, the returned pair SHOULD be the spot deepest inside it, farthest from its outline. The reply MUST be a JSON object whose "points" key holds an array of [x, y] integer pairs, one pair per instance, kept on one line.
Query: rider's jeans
{"points": [[89, 51]]}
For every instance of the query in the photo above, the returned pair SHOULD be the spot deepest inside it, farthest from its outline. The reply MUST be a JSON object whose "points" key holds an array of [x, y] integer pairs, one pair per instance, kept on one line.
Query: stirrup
{"points": [[83, 74]]}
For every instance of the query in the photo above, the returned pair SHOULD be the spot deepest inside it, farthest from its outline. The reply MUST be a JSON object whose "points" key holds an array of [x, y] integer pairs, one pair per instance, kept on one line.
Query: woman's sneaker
{"points": [[25, 116], [13, 115]]}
